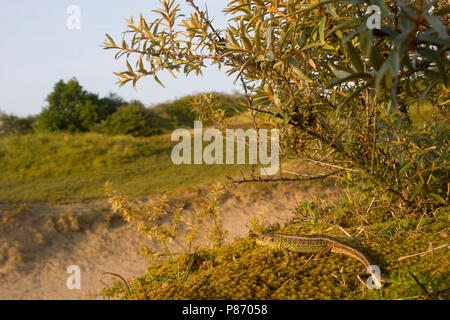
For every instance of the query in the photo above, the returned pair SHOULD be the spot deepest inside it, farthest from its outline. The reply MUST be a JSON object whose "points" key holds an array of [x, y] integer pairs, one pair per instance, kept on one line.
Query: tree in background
{"points": [[11, 124], [110, 104], [344, 95], [179, 112], [71, 108], [134, 119]]}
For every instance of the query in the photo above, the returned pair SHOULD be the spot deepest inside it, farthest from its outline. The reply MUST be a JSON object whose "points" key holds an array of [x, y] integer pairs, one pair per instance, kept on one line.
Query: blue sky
{"points": [[37, 49]]}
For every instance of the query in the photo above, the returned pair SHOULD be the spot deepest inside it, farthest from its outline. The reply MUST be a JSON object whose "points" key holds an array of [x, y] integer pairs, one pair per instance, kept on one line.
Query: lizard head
{"points": [[267, 239]]}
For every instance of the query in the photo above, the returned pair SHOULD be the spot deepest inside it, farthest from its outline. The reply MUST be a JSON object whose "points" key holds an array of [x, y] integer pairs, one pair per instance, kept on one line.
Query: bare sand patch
{"points": [[37, 245]]}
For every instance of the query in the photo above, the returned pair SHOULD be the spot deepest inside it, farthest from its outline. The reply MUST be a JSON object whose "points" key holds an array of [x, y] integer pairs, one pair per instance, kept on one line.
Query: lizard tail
{"points": [[349, 251]]}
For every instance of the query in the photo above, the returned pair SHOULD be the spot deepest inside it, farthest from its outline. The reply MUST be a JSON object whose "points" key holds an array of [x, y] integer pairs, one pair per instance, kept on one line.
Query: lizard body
{"points": [[317, 244], [311, 244]]}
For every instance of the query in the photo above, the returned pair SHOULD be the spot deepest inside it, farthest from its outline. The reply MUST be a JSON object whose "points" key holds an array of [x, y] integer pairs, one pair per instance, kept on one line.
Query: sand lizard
{"points": [[319, 244]]}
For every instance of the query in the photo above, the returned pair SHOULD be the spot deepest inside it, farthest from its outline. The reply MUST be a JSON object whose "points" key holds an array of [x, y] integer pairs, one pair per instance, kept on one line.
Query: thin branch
{"points": [[308, 178], [321, 163], [373, 200], [205, 18], [424, 289], [423, 253]]}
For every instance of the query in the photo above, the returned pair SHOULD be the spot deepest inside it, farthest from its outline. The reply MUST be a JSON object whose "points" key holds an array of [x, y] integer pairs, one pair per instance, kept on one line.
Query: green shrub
{"points": [[11, 124], [181, 112], [134, 119]]}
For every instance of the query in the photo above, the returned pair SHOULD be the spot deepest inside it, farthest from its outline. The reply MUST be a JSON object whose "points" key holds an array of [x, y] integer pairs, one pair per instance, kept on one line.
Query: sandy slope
{"points": [[37, 246]]}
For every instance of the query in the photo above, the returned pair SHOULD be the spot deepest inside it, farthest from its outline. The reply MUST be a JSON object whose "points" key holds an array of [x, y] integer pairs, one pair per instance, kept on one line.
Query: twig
{"points": [[321, 163], [127, 287], [424, 289], [340, 228], [373, 200], [205, 18], [360, 280], [309, 178], [279, 205], [423, 253], [437, 294]]}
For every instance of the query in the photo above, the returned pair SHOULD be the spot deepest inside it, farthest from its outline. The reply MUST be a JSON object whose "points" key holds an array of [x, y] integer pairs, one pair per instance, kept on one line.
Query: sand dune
{"points": [[37, 246]]}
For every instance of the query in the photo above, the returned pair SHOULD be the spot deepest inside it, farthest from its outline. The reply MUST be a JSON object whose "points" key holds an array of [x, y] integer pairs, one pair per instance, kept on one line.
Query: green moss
{"points": [[243, 270]]}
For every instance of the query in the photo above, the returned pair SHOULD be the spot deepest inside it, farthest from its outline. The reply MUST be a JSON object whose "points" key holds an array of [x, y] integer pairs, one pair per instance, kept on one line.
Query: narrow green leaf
{"points": [[380, 75], [405, 168], [130, 69], [294, 65], [382, 5], [365, 41], [331, 9], [434, 40], [437, 25], [376, 59], [427, 90], [244, 66], [350, 77], [354, 57], [111, 40], [269, 38], [355, 93], [158, 81], [438, 198], [257, 39], [311, 45], [322, 30]]}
